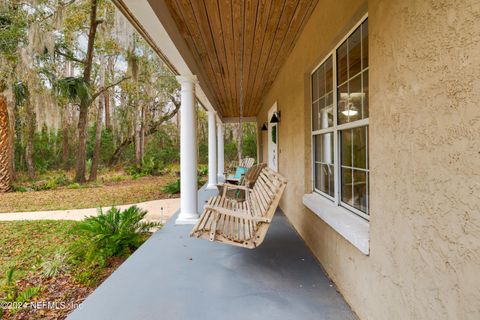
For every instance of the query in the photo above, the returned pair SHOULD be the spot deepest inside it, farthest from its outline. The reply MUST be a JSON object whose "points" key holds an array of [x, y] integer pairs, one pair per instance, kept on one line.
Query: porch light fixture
{"points": [[275, 117], [264, 127]]}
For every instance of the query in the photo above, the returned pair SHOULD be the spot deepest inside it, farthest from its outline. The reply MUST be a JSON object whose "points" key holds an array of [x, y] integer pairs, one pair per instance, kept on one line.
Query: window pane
{"points": [[354, 53], [318, 147], [315, 122], [329, 99], [360, 147], [327, 148], [347, 186], [331, 183], [342, 63], [315, 86], [365, 44], [326, 117], [328, 75], [324, 168], [346, 143], [360, 194], [365, 94], [342, 99], [321, 81], [355, 99]]}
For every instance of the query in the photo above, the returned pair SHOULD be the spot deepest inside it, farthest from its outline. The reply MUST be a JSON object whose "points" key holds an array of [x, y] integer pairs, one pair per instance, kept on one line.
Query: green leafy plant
{"points": [[11, 292], [56, 265], [74, 89], [202, 170], [150, 167], [172, 188], [115, 233], [75, 185], [19, 189]]}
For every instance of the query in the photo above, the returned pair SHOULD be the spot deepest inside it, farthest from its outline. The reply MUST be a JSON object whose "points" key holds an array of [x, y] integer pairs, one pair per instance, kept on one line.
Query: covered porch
{"points": [[173, 276], [225, 63]]}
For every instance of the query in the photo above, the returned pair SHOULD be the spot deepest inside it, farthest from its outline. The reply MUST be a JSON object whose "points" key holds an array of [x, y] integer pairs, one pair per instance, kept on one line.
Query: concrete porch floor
{"points": [[173, 276]]}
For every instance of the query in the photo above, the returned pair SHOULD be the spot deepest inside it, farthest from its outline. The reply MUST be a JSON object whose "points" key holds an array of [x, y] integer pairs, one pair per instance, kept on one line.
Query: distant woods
{"points": [[80, 90]]}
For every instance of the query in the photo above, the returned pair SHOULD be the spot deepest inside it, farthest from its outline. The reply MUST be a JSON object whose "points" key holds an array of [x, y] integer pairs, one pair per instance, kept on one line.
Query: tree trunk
{"points": [[98, 131], [11, 138], [65, 120], [30, 135], [5, 170], [108, 95], [64, 138], [84, 105], [82, 144], [138, 134], [152, 128], [98, 139]]}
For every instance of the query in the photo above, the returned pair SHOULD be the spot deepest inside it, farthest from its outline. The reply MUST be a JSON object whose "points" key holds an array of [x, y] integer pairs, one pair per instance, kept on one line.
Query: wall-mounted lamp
{"points": [[264, 127], [275, 117]]}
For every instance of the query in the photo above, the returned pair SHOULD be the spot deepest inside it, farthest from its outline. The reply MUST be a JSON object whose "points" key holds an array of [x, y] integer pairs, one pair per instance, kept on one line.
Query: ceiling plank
{"points": [[218, 31]]}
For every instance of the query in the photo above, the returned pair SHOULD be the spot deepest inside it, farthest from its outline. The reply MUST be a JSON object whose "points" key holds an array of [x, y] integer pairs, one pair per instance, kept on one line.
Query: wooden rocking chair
{"points": [[247, 180], [237, 170], [242, 224]]}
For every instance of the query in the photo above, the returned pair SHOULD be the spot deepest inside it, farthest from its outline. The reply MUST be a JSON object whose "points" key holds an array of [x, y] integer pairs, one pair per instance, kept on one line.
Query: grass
{"points": [[47, 266], [116, 190], [26, 244]]}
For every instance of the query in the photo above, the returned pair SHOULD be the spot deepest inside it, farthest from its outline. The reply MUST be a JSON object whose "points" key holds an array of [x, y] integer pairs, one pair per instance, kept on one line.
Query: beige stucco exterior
{"points": [[424, 260]]}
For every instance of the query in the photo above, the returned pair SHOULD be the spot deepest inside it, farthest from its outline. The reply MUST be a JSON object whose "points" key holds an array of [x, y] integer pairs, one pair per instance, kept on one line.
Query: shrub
{"points": [[202, 170], [113, 234], [75, 185], [150, 167], [11, 293], [19, 189], [172, 188], [56, 265]]}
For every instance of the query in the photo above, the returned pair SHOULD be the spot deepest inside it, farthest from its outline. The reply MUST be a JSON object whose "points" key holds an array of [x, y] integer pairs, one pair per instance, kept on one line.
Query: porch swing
{"points": [[242, 223]]}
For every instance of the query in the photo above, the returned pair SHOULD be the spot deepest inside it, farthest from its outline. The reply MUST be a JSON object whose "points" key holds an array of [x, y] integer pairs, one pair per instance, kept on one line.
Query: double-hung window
{"points": [[340, 123]]}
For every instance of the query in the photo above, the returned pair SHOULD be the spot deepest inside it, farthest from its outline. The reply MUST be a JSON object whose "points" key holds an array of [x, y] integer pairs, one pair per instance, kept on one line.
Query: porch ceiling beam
{"points": [[237, 119]]}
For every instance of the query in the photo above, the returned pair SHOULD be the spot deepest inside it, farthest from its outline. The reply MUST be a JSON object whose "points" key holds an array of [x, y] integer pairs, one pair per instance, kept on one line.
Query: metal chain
{"points": [[242, 16]]}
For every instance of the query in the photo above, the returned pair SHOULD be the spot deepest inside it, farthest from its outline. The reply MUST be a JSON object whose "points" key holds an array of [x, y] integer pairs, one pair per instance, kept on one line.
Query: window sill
{"points": [[347, 224]]}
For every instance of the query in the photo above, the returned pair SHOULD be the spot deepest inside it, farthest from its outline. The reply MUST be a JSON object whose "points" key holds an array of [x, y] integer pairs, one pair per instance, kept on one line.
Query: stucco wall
{"points": [[424, 258]]}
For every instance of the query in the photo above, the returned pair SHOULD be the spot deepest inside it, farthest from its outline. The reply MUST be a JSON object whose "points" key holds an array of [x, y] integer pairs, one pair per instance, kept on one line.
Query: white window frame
{"points": [[336, 129]]}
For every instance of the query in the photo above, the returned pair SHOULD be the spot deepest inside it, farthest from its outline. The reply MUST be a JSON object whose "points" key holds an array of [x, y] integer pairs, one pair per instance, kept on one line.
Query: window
{"points": [[340, 124]]}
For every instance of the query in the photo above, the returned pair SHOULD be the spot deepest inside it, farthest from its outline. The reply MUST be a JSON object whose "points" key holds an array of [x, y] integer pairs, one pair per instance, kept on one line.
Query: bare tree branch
{"points": [[69, 56], [102, 90]]}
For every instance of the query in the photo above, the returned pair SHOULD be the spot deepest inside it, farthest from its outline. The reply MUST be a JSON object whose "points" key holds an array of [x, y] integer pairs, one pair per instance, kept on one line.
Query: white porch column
{"points": [[188, 152], [220, 152], [212, 152]]}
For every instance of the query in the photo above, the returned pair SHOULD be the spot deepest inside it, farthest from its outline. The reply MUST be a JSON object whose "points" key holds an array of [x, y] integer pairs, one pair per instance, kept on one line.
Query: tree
{"points": [[5, 172], [22, 98], [98, 129]]}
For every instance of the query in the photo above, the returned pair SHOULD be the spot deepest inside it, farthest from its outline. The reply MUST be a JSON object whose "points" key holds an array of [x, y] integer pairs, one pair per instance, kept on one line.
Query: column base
{"points": [[221, 178], [187, 219], [211, 187]]}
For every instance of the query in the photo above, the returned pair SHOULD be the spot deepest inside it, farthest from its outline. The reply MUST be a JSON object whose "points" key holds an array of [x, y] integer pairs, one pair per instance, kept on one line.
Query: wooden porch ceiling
{"points": [[215, 32]]}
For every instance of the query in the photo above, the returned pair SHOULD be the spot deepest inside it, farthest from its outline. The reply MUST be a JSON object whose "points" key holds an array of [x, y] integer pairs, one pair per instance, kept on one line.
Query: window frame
{"points": [[335, 129]]}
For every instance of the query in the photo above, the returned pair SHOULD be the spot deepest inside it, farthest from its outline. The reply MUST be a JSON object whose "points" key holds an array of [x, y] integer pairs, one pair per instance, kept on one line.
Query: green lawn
{"points": [[90, 196], [26, 244]]}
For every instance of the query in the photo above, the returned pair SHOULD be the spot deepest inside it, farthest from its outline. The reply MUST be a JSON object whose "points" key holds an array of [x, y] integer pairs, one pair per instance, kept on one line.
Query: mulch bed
{"points": [[58, 296]]}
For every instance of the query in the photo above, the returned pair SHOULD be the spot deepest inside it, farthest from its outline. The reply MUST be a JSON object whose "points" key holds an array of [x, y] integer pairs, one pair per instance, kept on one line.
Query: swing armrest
{"points": [[236, 186], [237, 214]]}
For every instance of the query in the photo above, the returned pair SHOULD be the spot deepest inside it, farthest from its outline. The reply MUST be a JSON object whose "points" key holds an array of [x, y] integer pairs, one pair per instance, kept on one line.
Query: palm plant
{"points": [[115, 233], [74, 89]]}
